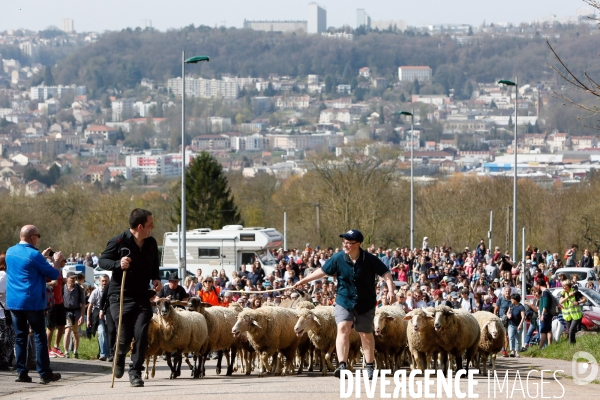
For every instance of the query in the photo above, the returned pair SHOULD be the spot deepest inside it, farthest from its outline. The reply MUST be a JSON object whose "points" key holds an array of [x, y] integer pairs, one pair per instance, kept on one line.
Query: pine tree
{"points": [[209, 201]]}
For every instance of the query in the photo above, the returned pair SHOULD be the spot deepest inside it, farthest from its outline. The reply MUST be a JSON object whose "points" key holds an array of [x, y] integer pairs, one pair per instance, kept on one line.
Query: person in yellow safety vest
{"points": [[571, 300]]}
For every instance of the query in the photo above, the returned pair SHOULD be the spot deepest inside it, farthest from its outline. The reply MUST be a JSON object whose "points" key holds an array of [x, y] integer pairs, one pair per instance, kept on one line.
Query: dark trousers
{"points": [[22, 320], [111, 330], [574, 327], [137, 314]]}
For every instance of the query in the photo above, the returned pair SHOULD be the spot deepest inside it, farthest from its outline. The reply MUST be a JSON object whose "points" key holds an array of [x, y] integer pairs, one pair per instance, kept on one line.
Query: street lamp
{"points": [[182, 256], [523, 284], [412, 179]]}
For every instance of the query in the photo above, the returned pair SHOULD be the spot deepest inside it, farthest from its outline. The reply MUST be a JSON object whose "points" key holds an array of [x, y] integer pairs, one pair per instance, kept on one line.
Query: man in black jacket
{"points": [[137, 252]]}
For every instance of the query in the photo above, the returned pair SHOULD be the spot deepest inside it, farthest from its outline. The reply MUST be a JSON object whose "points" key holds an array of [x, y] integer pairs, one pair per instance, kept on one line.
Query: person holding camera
{"points": [[27, 270], [571, 301]]}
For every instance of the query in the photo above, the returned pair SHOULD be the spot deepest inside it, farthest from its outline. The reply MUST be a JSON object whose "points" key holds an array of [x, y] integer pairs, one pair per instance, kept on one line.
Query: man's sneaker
{"points": [[136, 381], [53, 377], [341, 366], [23, 378], [58, 353], [370, 370], [102, 358], [76, 354], [51, 354], [504, 354]]}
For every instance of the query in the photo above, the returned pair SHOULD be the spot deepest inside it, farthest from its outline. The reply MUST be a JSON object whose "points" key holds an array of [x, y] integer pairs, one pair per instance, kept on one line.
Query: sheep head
{"points": [[380, 321], [196, 304], [243, 324], [443, 316], [418, 318], [164, 307], [492, 328], [307, 321]]}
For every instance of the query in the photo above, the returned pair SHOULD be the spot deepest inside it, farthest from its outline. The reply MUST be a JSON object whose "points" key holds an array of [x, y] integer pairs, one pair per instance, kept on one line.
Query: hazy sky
{"points": [[98, 15]]}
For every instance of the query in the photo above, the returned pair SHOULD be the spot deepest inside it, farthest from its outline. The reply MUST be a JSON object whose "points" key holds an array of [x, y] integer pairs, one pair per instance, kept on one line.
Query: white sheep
{"points": [[458, 333], [219, 321], [390, 336], [180, 331], [270, 329], [491, 340], [320, 325], [422, 339]]}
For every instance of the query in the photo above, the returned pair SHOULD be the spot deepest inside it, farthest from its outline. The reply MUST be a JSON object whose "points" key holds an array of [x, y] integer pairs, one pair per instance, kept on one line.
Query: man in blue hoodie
{"points": [[26, 271]]}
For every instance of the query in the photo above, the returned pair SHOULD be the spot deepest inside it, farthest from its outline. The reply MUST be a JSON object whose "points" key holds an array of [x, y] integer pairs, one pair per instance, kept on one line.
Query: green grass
{"points": [[88, 348], [563, 350]]}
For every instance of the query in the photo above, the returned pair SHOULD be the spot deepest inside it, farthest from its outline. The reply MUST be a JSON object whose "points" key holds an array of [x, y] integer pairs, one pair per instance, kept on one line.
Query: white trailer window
{"points": [[204, 252]]}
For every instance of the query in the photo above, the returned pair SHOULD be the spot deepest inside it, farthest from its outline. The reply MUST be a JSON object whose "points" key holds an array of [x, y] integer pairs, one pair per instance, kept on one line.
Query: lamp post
{"points": [[181, 234], [412, 178], [514, 257]]}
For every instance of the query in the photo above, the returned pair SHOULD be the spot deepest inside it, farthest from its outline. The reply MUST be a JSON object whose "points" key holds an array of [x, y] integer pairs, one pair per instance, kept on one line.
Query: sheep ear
{"points": [[407, 317], [389, 318], [256, 323], [205, 305], [317, 320]]}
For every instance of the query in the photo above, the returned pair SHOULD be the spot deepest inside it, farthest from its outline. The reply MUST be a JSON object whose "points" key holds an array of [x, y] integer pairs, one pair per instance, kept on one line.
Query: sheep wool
{"points": [[491, 341], [390, 336]]}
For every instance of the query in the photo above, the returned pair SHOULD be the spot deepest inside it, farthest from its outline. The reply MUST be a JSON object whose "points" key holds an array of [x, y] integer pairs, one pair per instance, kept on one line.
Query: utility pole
{"points": [[318, 206], [507, 228], [490, 231]]}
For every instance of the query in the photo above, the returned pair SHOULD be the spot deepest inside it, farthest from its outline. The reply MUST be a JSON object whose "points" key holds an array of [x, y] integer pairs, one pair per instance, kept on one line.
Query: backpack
{"points": [[553, 308]]}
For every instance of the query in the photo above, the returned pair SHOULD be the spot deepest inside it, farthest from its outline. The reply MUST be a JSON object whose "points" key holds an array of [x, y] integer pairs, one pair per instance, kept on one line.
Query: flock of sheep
{"points": [[280, 340]]}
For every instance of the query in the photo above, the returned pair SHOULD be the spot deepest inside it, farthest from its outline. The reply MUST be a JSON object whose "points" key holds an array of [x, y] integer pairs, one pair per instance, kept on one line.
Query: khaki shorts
{"points": [[72, 318], [362, 322]]}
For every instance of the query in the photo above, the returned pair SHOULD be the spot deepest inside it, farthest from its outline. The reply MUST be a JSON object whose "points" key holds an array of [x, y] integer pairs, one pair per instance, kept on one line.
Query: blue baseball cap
{"points": [[353, 235]]}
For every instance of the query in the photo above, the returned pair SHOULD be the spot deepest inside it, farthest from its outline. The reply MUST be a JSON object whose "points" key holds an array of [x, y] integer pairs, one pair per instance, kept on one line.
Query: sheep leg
{"points": [[178, 362], [263, 364], [219, 360], [327, 362], [187, 361], [153, 366], [170, 364], [311, 360], [230, 364], [493, 357], [147, 364]]}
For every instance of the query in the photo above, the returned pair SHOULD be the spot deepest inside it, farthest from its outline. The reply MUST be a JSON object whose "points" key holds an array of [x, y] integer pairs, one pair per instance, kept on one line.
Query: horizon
{"points": [[38, 15]]}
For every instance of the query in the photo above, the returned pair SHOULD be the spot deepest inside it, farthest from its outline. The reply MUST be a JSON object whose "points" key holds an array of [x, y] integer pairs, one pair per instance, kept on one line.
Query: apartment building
{"points": [[317, 19], [205, 88], [122, 109], [410, 73]]}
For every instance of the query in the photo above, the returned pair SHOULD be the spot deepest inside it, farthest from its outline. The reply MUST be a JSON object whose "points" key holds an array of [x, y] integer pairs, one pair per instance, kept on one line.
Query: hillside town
{"points": [[272, 124]]}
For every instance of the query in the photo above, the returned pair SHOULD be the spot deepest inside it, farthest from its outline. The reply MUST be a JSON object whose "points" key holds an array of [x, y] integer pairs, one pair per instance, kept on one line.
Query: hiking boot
{"points": [[58, 353], [24, 378], [53, 377], [370, 370], [341, 366], [136, 381]]}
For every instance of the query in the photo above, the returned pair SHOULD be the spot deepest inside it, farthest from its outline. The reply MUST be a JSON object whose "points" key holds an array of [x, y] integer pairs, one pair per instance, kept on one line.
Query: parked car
{"points": [[583, 275]]}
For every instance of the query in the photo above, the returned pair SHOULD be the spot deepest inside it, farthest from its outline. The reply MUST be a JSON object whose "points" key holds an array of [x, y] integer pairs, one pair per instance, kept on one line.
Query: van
{"points": [[226, 248]]}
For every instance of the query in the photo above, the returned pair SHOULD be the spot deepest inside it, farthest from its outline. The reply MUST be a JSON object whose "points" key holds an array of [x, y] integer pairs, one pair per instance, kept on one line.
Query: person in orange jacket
{"points": [[209, 293]]}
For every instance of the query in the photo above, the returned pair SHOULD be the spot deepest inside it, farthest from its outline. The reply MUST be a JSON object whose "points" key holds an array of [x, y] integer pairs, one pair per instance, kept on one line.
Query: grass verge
{"points": [[563, 350]]}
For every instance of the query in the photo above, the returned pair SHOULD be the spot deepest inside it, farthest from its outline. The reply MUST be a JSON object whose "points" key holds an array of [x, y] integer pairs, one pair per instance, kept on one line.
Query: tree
{"points": [[48, 78], [416, 86], [209, 201], [381, 117]]}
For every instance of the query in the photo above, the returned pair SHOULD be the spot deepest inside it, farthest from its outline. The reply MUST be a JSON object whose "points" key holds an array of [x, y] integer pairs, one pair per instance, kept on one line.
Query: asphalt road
{"points": [[93, 378]]}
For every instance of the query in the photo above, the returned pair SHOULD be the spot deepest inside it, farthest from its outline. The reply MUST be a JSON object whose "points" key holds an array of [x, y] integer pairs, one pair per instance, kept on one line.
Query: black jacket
{"points": [[142, 270]]}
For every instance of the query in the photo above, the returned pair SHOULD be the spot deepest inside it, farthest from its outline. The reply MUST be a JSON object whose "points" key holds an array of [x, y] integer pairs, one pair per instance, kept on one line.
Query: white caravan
{"points": [[226, 248]]}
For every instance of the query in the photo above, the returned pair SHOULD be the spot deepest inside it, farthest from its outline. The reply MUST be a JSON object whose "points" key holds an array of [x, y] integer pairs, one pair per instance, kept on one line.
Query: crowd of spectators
{"points": [[478, 279]]}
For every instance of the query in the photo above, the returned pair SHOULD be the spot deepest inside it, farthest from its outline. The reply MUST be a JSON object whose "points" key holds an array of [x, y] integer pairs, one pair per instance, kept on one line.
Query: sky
{"points": [[94, 15]]}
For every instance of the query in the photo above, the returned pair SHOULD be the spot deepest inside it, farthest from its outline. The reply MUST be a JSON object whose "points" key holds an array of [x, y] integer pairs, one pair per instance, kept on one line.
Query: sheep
{"points": [[269, 330], [458, 332], [320, 325], [390, 335], [180, 331], [219, 321], [305, 304], [422, 339], [154, 349], [492, 339]]}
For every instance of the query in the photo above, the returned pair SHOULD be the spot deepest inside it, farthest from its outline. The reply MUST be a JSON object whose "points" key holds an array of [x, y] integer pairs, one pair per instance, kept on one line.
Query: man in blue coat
{"points": [[26, 272]]}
